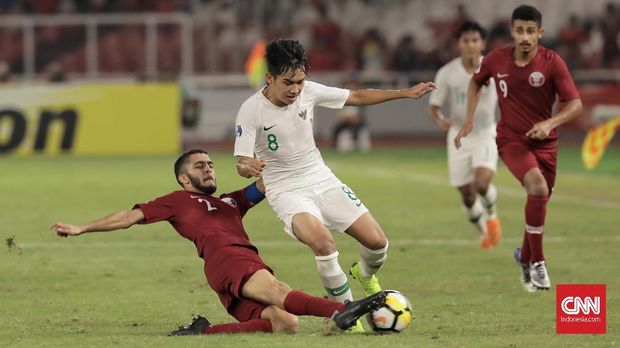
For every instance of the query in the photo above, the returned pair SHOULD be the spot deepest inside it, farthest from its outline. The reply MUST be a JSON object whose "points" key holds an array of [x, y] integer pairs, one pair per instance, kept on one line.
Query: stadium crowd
{"points": [[225, 30]]}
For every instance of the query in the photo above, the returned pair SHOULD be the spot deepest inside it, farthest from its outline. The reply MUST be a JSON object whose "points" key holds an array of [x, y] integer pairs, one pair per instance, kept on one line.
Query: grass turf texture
{"points": [[132, 287]]}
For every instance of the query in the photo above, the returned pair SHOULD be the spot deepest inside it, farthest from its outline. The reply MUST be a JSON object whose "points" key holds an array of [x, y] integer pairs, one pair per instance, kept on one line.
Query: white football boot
{"points": [[539, 276]]}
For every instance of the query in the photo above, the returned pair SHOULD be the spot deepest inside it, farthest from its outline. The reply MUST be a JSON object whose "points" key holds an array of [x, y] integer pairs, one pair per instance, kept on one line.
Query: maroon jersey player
{"points": [[245, 285], [528, 77]]}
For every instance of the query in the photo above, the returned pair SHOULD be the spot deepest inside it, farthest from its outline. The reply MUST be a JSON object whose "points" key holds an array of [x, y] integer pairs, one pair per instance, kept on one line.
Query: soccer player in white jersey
{"points": [[473, 166], [275, 139]]}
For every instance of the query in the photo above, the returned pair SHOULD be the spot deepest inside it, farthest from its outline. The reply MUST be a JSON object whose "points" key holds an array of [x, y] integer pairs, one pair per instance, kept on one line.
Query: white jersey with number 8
{"points": [[283, 137]]}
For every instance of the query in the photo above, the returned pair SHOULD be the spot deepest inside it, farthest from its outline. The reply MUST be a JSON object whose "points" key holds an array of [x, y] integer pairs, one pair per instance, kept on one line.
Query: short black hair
{"points": [[470, 26], [182, 160], [283, 55], [527, 13]]}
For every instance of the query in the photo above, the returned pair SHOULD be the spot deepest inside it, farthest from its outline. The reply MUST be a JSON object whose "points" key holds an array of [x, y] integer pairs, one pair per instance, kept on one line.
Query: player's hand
{"points": [[444, 124], [65, 230], [419, 90], [462, 133], [250, 167], [539, 131]]}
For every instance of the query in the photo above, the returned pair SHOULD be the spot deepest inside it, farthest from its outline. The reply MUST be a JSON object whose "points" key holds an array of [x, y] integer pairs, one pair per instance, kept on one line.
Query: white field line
{"points": [[507, 191], [270, 244]]}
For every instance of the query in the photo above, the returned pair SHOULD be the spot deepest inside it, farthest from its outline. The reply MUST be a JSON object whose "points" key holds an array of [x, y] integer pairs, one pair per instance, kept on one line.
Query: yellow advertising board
{"points": [[90, 119]]}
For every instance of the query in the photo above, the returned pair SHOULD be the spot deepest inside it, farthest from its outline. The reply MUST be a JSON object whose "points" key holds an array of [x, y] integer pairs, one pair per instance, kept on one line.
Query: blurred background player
{"points": [[473, 166], [528, 78], [245, 285], [276, 124], [350, 130]]}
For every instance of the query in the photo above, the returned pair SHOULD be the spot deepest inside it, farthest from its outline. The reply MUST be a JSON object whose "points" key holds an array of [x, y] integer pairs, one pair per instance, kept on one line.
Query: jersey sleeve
{"points": [[243, 204], [329, 97], [246, 127], [159, 209], [565, 86], [484, 73], [439, 95]]}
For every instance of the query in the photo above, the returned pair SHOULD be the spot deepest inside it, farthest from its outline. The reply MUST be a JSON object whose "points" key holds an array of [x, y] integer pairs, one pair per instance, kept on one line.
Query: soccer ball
{"points": [[394, 316]]}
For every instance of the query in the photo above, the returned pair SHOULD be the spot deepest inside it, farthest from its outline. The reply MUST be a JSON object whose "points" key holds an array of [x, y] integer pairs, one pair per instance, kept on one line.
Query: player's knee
{"points": [[537, 187], [377, 241], [481, 186], [281, 289], [539, 191], [285, 322], [322, 246]]}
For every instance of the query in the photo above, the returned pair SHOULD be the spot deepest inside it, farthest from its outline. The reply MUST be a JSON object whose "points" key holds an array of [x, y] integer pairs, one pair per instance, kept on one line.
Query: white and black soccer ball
{"points": [[394, 316]]}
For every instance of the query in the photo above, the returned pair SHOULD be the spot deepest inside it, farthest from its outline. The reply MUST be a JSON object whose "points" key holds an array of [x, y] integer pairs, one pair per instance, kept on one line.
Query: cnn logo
{"points": [[575, 305], [580, 309]]}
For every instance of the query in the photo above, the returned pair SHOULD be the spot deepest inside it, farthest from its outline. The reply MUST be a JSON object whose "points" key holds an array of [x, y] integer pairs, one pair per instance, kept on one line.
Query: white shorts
{"points": [[475, 152], [333, 203]]}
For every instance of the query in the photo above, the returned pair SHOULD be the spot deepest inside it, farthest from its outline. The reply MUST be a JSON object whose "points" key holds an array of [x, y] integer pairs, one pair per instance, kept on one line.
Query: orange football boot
{"points": [[494, 230], [486, 242]]}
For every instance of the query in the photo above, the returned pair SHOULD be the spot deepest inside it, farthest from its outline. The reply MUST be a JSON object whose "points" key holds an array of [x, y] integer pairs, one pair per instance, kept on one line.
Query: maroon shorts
{"points": [[521, 155], [227, 270]]}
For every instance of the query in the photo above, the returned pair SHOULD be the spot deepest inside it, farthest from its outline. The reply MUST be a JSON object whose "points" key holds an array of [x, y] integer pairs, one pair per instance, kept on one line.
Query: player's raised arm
{"points": [[115, 221], [376, 96], [248, 167], [473, 96]]}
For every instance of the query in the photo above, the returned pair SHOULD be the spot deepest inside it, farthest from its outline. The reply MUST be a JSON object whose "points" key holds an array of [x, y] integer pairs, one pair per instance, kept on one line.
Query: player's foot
{"points": [[357, 328], [539, 275], [369, 284], [525, 279], [486, 242], [494, 230], [196, 327], [353, 310]]}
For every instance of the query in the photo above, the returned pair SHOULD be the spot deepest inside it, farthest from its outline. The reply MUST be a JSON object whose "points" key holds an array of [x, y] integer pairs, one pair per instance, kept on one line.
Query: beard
{"points": [[202, 188]]}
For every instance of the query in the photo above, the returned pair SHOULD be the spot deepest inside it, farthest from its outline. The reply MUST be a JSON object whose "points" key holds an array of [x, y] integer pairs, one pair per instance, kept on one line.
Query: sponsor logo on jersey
{"points": [[230, 201], [239, 130], [536, 79], [303, 114], [268, 128], [501, 76]]}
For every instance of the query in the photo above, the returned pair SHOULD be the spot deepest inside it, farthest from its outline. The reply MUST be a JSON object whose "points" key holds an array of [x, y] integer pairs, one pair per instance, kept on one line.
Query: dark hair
{"points": [[182, 160], [470, 26], [527, 13], [283, 55]]}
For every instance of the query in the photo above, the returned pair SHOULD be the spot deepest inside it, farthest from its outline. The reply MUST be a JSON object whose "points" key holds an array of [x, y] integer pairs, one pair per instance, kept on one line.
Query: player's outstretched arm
{"points": [[376, 96], [248, 167], [115, 221], [473, 96], [569, 112]]}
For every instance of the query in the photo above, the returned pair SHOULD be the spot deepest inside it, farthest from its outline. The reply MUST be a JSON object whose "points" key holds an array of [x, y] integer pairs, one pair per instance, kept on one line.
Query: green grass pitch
{"points": [[132, 287]]}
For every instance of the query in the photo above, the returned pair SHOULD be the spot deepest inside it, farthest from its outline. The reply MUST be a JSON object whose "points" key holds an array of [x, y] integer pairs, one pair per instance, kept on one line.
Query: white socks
{"points": [[372, 260], [333, 278], [475, 215], [489, 199]]}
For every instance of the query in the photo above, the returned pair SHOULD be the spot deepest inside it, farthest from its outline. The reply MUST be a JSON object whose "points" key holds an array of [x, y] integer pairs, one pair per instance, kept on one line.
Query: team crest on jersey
{"points": [[230, 201], [239, 130], [303, 114], [536, 79]]}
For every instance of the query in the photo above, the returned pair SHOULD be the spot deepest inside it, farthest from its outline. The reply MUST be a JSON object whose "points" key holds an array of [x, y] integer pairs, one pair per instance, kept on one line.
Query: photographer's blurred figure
{"points": [[56, 73], [5, 72], [350, 130]]}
